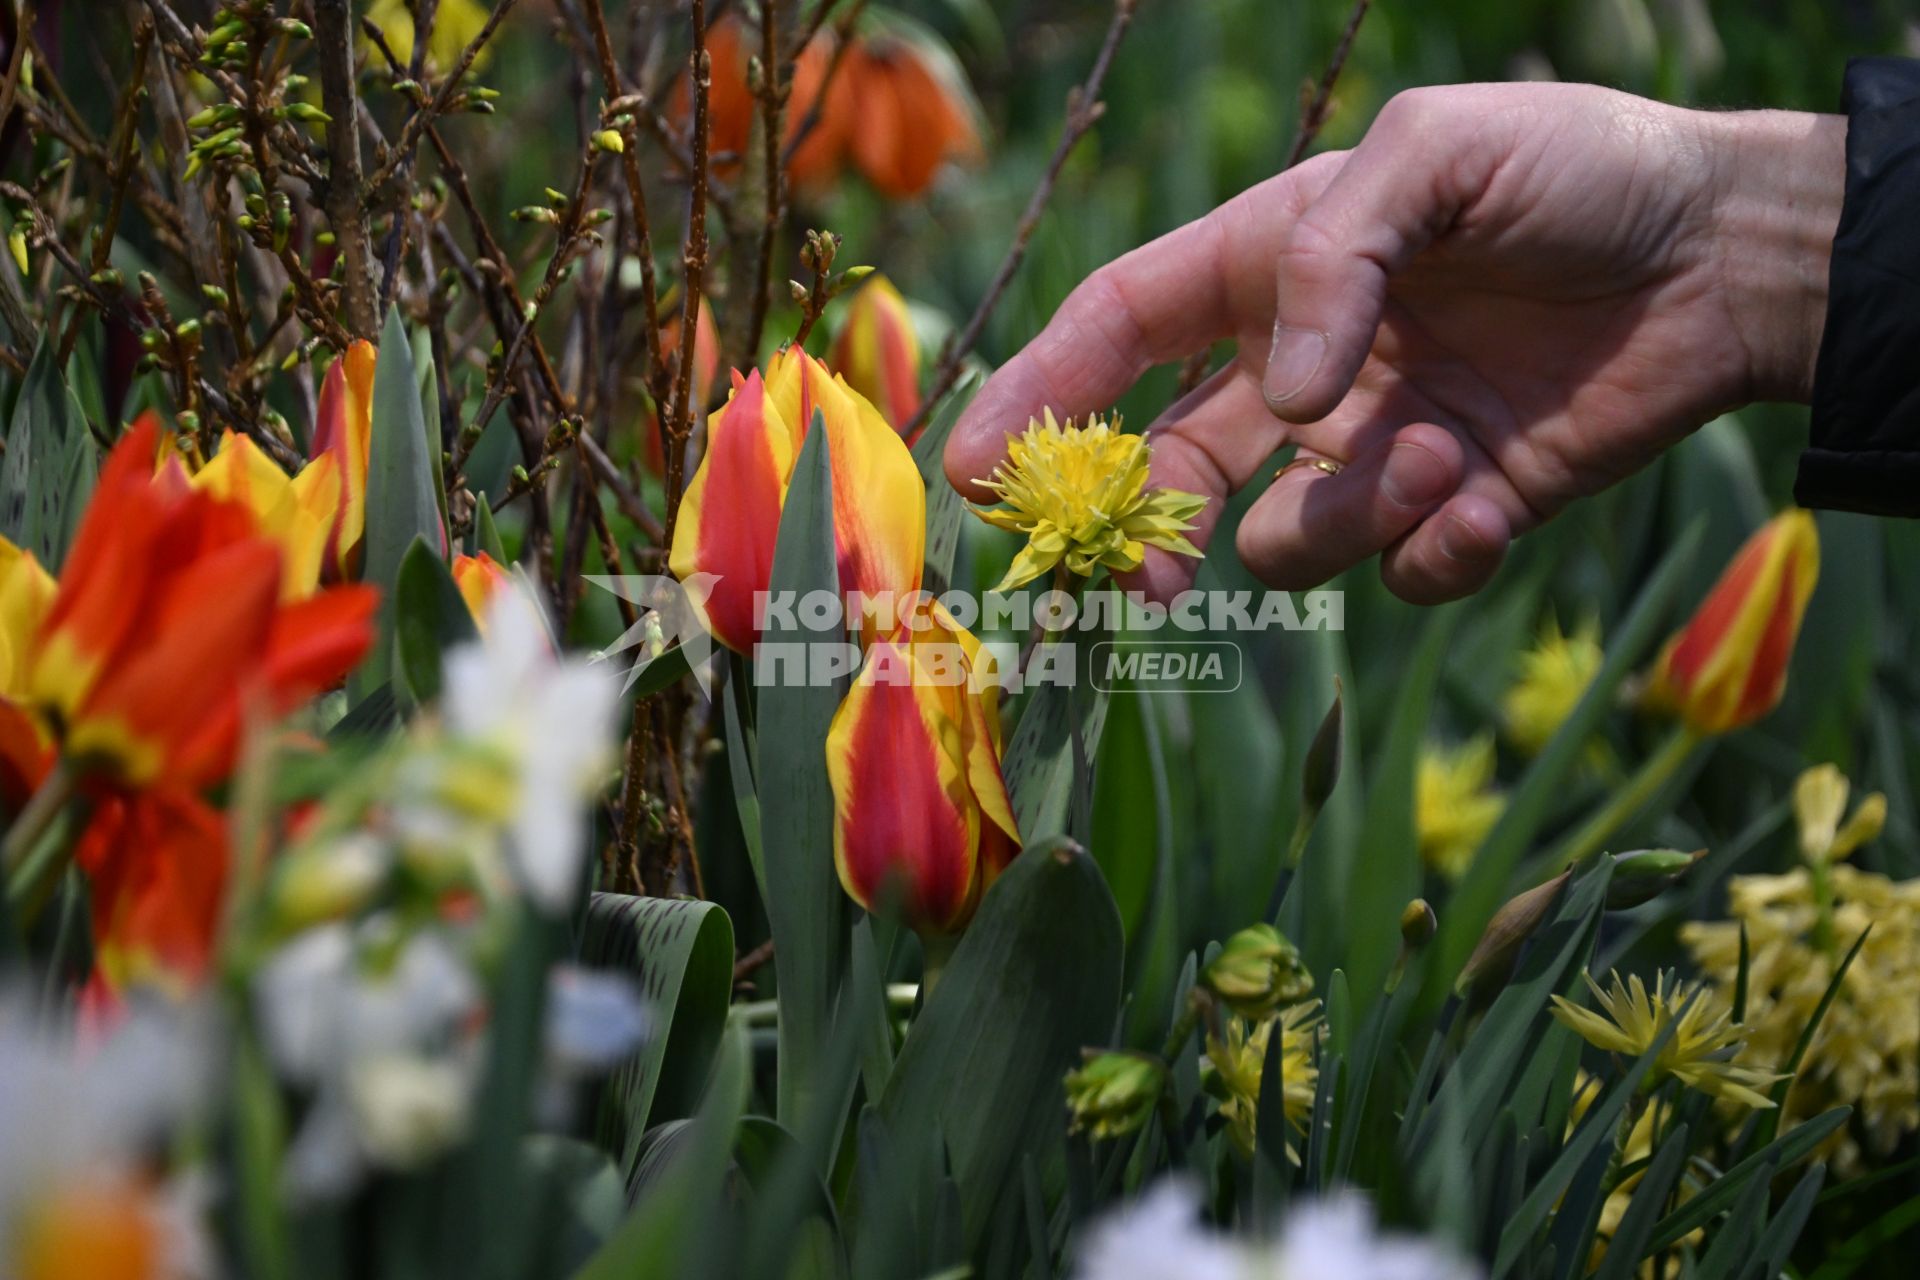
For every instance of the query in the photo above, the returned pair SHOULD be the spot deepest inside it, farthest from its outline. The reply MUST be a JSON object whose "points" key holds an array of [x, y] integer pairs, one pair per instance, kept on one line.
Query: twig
{"points": [[1313, 113], [773, 103], [749, 964], [1084, 110], [636, 208], [694, 264], [450, 85], [16, 59], [346, 186], [120, 155]]}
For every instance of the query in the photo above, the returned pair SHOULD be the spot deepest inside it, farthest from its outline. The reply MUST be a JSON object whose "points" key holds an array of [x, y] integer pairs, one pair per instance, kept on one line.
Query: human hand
{"points": [[1504, 298]]}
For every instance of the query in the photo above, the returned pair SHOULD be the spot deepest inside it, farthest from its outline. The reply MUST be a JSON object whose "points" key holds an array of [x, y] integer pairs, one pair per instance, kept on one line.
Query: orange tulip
{"points": [[731, 106], [908, 112], [922, 822], [877, 353], [897, 106], [168, 619], [1728, 666], [156, 865], [479, 578], [730, 515], [344, 429]]}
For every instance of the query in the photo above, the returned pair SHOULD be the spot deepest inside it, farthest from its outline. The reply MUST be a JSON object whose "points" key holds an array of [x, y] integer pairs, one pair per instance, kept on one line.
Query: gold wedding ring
{"points": [[1328, 465]]}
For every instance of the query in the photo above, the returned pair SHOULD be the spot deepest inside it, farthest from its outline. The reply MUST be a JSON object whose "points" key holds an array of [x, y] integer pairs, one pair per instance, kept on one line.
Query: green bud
{"points": [[214, 141], [481, 108], [215, 116], [1492, 960], [1417, 927], [214, 294], [1114, 1092], [610, 140], [481, 93], [306, 112], [293, 83], [187, 330], [107, 278], [324, 238], [187, 420], [1644, 874], [1417, 923], [294, 27], [558, 199], [1256, 972], [534, 213], [520, 476]]}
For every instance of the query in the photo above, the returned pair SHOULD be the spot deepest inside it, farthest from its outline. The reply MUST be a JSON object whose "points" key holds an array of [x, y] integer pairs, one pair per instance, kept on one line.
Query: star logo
{"points": [[672, 628]]}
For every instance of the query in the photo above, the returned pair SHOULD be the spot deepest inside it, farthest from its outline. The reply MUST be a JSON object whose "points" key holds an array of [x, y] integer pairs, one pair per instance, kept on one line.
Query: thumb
{"points": [[1393, 194]]}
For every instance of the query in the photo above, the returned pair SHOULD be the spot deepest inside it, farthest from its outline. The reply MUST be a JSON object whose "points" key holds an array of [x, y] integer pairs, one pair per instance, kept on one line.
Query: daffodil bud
{"points": [[1114, 1093], [1644, 874], [1256, 972], [1493, 956], [1417, 927]]}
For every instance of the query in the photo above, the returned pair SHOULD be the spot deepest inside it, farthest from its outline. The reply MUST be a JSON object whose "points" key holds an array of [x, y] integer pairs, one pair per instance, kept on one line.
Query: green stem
{"points": [[935, 950], [1626, 803], [1820, 871], [29, 861]]}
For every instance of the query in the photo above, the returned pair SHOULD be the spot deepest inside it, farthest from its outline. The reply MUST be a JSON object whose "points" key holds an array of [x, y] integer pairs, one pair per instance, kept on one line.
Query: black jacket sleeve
{"points": [[1865, 450]]}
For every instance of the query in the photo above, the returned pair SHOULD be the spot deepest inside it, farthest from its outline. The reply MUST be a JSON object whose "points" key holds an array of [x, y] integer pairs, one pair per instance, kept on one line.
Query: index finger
{"points": [[1160, 302]]}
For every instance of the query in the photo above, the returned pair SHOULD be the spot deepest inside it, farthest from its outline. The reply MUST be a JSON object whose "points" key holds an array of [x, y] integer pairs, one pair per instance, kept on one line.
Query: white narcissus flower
{"points": [[551, 719], [1161, 1237], [387, 1049], [78, 1130]]}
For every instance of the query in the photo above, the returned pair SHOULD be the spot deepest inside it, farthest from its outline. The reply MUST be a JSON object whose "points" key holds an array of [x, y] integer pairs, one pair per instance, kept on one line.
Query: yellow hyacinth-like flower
{"points": [[1080, 495], [1553, 676], [1237, 1060], [1699, 1052], [1819, 803], [1866, 1051], [1454, 803]]}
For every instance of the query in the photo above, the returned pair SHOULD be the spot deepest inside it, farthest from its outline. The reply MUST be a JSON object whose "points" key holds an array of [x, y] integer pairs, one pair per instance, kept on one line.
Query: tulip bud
{"points": [[1257, 971], [877, 353], [1728, 666], [1644, 874], [1492, 960], [1114, 1093]]}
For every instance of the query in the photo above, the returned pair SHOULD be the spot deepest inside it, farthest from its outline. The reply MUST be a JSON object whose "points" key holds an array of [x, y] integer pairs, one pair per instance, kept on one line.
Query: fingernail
{"points": [[1458, 541], [1295, 358], [1414, 477]]}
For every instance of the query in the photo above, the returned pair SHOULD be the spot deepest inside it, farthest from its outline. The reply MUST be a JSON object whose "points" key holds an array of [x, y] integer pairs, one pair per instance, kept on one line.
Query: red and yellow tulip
{"points": [[922, 822], [1728, 666], [344, 429], [730, 515], [877, 353], [479, 578], [169, 620], [297, 512]]}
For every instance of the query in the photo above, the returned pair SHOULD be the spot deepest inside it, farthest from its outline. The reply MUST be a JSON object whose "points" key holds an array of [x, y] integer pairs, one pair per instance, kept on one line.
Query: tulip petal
{"points": [[730, 514], [157, 863], [903, 820]]}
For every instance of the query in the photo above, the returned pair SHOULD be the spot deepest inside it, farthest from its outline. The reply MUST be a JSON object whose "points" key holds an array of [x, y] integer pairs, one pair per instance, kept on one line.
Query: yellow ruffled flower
{"points": [[1553, 676], [1080, 495], [1698, 1054], [1236, 1063], [1454, 803]]}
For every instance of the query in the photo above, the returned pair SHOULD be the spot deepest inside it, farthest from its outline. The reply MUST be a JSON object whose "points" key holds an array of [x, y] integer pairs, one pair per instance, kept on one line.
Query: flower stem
{"points": [[935, 950], [28, 864], [1627, 802]]}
